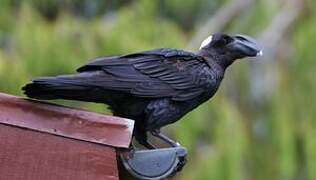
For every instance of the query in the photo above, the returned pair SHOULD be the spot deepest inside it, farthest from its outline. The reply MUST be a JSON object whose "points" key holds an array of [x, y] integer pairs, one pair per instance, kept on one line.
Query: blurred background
{"points": [[262, 122]]}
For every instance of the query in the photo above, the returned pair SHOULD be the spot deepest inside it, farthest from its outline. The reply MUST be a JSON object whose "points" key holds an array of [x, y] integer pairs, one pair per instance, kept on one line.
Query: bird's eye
{"points": [[227, 39], [224, 40]]}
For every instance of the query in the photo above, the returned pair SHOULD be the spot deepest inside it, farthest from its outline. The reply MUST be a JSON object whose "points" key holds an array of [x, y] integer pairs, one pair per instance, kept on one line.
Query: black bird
{"points": [[156, 87]]}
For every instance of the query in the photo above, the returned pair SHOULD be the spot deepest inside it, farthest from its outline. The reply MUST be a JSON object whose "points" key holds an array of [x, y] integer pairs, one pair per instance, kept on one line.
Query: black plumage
{"points": [[155, 87]]}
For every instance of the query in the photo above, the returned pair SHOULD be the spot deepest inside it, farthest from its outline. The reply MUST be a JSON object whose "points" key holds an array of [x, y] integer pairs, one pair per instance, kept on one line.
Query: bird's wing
{"points": [[153, 74]]}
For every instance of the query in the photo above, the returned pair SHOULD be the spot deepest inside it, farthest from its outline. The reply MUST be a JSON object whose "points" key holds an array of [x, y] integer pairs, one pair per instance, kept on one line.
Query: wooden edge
{"points": [[65, 121]]}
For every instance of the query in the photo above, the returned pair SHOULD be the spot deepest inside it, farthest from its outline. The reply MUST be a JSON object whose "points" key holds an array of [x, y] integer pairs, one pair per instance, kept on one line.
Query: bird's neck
{"points": [[221, 59]]}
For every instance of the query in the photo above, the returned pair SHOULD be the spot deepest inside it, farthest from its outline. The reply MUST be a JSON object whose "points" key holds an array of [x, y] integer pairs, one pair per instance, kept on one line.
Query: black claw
{"points": [[148, 145], [164, 138]]}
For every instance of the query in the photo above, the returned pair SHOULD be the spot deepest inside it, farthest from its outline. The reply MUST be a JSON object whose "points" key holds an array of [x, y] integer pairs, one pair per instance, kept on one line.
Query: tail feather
{"points": [[83, 87], [55, 88]]}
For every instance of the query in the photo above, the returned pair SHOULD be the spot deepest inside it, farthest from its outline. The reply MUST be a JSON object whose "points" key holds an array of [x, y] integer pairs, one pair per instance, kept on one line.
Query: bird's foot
{"points": [[148, 144], [157, 133]]}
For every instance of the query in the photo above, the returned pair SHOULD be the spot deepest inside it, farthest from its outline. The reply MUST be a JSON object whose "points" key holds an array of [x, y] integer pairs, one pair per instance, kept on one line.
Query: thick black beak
{"points": [[246, 46]]}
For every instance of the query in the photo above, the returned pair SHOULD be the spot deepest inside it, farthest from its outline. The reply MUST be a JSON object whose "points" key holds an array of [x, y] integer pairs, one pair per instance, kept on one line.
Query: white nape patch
{"points": [[206, 41]]}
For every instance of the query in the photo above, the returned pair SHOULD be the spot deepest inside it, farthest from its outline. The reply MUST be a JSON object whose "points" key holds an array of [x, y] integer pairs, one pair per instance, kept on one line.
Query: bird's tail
{"points": [[59, 87]]}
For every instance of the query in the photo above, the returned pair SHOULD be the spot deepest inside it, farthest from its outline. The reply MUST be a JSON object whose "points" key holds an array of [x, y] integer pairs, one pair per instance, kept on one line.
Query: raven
{"points": [[156, 87]]}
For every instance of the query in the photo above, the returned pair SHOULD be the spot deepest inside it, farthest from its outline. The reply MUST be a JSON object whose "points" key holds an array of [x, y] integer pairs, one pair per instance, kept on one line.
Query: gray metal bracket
{"points": [[154, 164]]}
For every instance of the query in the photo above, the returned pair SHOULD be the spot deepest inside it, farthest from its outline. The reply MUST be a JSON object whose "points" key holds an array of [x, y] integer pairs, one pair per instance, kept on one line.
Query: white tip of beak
{"points": [[260, 53]]}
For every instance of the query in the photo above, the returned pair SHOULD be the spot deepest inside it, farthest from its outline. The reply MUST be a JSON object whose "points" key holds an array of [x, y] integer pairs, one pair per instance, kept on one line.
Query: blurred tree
{"points": [[231, 137]]}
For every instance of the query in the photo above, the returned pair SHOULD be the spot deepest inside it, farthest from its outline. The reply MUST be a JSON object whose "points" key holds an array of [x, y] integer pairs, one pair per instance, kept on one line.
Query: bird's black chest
{"points": [[166, 111], [208, 94], [210, 82], [211, 79]]}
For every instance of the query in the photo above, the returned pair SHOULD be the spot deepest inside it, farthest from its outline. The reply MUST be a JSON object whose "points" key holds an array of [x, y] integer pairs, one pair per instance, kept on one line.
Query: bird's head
{"points": [[228, 48]]}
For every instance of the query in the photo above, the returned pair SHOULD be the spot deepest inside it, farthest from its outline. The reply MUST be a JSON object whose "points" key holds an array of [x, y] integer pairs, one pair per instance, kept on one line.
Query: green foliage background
{"points": [[228, 137]]}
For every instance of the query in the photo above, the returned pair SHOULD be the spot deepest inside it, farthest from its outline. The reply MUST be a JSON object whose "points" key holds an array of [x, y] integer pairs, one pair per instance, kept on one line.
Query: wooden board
{"points": [[31, 155], [65, 121]]}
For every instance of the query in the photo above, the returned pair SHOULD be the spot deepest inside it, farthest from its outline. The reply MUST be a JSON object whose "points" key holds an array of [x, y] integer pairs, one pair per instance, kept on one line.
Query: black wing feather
{"points": [[152, 74]]}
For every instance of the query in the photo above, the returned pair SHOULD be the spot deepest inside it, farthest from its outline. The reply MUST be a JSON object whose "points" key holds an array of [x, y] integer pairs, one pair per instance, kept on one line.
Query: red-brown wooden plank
{"points": [[65, 121], [32, 155]]}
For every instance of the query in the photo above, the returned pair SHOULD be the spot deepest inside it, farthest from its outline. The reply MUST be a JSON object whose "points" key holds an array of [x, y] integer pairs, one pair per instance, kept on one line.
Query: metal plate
{"points": [[154, 164]]}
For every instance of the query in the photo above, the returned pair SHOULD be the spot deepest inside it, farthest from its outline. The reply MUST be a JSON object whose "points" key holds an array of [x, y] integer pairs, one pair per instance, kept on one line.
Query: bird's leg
{"points": [[144, 141], [164, 138], [141, 137], [148, 145]]}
